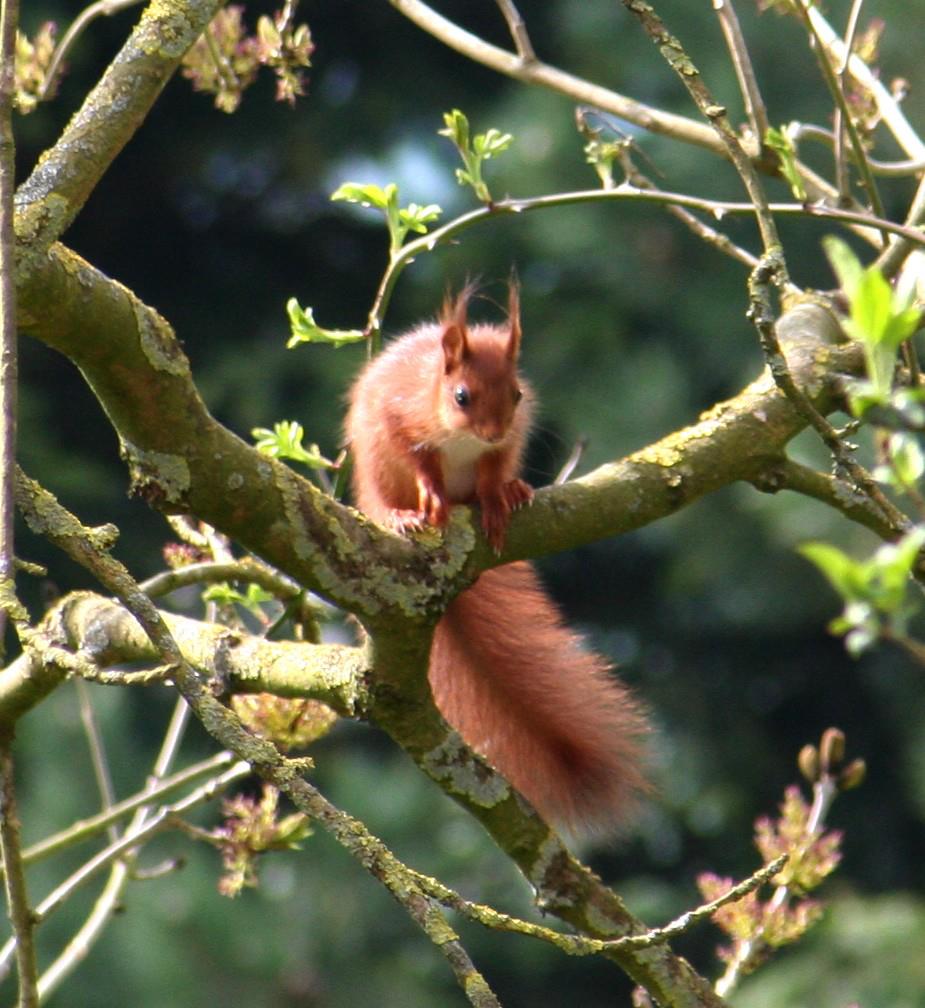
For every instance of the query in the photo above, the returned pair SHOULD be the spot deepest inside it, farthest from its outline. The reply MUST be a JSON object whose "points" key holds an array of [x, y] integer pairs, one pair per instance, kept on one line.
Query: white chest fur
{"points": [[459, 455]]}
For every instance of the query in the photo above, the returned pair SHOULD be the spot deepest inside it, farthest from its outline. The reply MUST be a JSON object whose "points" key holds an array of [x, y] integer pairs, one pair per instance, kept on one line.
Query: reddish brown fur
{"points": [[505, 671]]}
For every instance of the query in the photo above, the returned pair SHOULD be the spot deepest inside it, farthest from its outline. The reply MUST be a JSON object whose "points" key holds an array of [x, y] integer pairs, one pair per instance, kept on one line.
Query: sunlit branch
{"points": [[574, 88]]}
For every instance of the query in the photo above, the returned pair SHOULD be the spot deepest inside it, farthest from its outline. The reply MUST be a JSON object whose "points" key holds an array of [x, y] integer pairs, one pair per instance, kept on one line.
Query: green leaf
{"points": [[871, 308], [845, 264], [366, 194], [845, 575], [906, 462], [416, 218], [875, 591], [223, 594], [902, 325], [881, 319], [456, 128], [780, 142], [487, 145], [893, 564], [398, 220], [482, 147], [285, 441], [864, 398], [306, 330]]}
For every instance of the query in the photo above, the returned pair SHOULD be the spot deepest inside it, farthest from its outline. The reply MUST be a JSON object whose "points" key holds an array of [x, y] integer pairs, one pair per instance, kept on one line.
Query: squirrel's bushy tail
{"points": [[518, 686]]}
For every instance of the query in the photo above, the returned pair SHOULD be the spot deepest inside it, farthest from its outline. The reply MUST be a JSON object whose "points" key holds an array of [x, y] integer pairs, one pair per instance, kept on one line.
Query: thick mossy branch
{"points": [[739, 439], [181, 459], [107, 634]]}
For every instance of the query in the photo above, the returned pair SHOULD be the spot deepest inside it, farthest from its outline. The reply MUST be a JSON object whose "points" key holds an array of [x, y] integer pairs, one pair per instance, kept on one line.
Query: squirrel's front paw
{"points": [[405, 520], [496, 510]]}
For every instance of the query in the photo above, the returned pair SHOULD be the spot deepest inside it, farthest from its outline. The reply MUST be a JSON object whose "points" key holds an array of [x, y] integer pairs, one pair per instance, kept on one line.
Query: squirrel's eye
{"points": [[461, 395], [518, 395]]}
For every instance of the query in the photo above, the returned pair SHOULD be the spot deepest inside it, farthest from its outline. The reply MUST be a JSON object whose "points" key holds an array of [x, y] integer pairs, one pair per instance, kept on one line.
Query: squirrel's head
{"points": [[480, 389]]}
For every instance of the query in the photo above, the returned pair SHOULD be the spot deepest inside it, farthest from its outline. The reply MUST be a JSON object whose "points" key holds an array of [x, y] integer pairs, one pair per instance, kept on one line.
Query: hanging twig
{"points": [[74, 31], [97, 751]]}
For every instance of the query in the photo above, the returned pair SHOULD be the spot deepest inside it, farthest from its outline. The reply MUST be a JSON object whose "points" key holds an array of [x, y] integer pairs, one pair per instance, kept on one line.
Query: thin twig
{"points": [[85, 829], [20, 913], [518, 30], [829, 489], [854, 18], [581, 945], [705, 232], [824, 791], [841, 73], [209, 572], [683, 66], [542, 74], [157, 676], [9, 20], [687, 920], [74, 31], [755, 108], [300, 606], [889, 109], [890, 169], [119, 855], [97, 751], [845, 119], [170, 745], [21, 916], [133, 838], [719, 208]]}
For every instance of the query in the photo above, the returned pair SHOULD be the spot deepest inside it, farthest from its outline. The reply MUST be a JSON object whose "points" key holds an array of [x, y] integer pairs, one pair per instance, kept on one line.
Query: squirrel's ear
{"points": [[453, 319], [513, 317]]}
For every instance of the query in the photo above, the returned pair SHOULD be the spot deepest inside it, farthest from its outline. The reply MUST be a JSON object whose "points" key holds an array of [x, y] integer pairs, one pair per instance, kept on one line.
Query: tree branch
{"points": [[153, 793], [681, 63], [22, 917], [544, 75], [333, 673]]}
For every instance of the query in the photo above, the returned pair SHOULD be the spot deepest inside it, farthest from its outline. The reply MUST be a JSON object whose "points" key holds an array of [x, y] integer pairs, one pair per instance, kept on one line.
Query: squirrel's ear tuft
{"points": [[513, 316], [454, 321]]}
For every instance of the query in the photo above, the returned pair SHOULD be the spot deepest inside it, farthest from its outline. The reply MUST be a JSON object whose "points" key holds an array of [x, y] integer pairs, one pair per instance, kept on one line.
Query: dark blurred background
{"points": [[632, 327]]}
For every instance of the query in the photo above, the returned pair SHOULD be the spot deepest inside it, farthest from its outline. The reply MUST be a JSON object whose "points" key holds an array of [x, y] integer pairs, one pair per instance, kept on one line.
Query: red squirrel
{"points": [[441, 417]]}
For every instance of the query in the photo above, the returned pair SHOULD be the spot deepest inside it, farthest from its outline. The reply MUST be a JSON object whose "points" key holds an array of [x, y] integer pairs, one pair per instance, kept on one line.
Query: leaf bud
{"points": [[808, 762], [832, 748], [853, 775]]}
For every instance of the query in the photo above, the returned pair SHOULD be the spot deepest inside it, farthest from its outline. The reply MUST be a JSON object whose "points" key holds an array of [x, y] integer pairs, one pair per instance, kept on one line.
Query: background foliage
{"points": [[631, 328]]}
